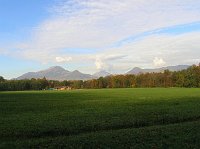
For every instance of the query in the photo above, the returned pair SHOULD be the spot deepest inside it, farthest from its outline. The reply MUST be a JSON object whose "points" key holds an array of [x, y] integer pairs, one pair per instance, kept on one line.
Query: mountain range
{"points": [[60, 74], [138, 70], [56, 73]]}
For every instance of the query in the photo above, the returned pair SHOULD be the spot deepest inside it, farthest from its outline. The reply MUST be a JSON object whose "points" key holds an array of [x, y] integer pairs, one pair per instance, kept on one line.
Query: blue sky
{"points": [[91, 35], [19, 16]]}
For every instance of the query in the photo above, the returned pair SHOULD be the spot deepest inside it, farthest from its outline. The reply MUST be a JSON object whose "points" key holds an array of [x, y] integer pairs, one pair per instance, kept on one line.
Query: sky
{"points": [[94, 35]]}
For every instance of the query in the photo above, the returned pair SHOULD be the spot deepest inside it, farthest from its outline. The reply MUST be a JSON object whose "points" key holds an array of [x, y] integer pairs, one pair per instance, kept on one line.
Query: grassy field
{"points": [[106, 118]]}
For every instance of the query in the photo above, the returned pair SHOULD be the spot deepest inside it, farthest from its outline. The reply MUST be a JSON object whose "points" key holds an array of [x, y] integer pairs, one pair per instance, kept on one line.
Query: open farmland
{"points": [[104, 118]]}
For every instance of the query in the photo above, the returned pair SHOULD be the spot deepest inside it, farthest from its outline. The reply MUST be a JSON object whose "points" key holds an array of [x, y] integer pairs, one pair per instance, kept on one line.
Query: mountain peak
{"points": [[135, 70], [101, 73], [56, 68], [76, 71]]}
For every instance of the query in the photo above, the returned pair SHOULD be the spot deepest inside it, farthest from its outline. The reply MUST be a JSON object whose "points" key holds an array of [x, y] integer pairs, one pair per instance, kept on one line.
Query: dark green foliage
{"points": [[1, 79], [106, 118], [22, 85]]}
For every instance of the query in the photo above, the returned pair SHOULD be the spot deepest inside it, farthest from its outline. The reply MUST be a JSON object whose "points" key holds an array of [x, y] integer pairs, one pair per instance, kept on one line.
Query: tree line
{"points": [[186, 78]]}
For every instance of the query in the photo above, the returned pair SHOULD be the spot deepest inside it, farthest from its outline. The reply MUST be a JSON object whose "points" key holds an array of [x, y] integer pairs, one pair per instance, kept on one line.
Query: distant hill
{"points": [[56, 73], [101, 73], [138, 70]]}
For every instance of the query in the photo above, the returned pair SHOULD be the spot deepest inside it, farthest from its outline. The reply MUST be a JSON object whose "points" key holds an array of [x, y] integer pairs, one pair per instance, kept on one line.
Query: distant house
{"points": [[62, 88]]}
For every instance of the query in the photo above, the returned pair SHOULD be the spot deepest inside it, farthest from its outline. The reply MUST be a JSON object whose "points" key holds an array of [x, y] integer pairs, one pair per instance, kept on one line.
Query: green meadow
{"points": [[103, 118]]}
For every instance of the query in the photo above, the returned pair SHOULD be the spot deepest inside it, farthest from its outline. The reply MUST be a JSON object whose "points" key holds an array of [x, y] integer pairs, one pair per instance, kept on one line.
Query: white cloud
{"points": [[63, 59], [158, 62], [99, 64], [105, 62]]}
